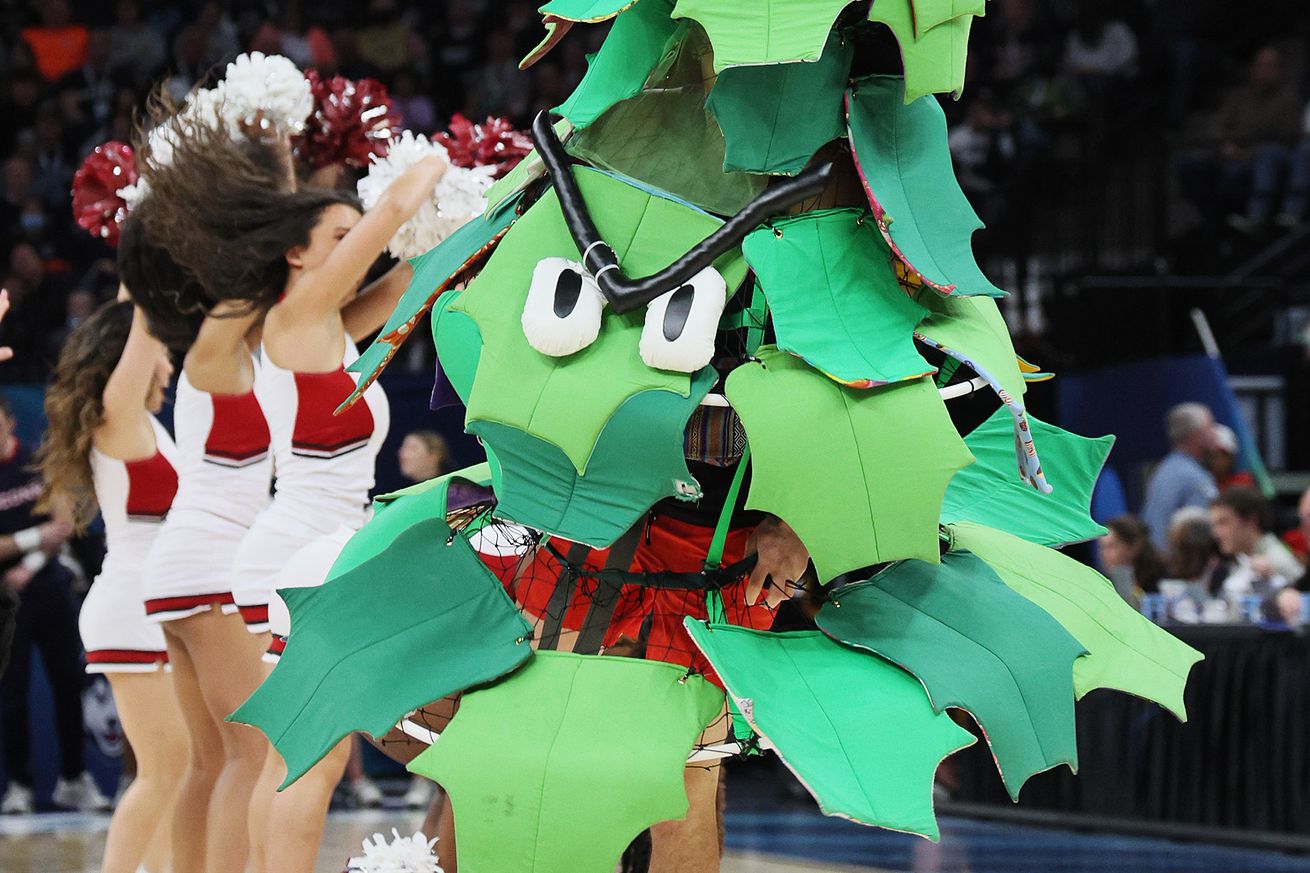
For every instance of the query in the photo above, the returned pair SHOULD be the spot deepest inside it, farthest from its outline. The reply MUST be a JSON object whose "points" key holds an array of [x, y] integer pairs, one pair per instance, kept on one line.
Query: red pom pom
{"points": [[352, 120], [494, 141], [96, 204]]}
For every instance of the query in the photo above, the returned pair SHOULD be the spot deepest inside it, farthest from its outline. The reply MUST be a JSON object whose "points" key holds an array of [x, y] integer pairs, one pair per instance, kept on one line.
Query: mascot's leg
{"points": [[298, 813], [693, 845]]}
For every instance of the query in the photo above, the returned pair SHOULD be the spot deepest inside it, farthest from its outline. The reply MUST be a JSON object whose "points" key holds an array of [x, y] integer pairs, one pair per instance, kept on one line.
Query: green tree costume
{"points": [[852, 309]]}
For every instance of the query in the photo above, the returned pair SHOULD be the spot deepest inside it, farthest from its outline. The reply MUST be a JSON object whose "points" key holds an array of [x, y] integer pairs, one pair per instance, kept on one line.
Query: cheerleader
{"points": [[224, 474], [104, 448], [216, 207]]}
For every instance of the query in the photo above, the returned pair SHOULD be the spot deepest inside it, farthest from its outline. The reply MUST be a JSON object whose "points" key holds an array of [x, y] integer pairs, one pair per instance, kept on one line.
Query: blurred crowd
{"points": [[75, 74], [1208, 546]]}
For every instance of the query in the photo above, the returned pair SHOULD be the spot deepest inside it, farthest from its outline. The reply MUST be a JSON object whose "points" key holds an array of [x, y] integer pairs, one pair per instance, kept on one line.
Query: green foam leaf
{"points": [[633, 47], [459, 345], [975, 645], [989, 492], [902, 155], [867, 485], [1126, 651], [558, 767], [433, 273], [859, 732], [567, 401], [934, 62], [749, 32], [834, 296], [930, 13], [775, 117], [638, 460], [585, 10], [422, 601]]}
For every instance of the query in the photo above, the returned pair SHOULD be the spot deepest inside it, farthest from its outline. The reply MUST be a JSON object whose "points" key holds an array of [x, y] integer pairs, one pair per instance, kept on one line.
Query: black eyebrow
{"points": [[599, 259]]}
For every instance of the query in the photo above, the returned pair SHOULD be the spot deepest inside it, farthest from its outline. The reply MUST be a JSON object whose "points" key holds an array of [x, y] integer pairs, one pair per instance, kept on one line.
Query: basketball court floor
{"points": [[758, 842]]}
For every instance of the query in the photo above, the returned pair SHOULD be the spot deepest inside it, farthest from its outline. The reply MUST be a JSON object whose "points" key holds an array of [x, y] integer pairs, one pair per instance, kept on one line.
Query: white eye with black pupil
{"points": [[563, 311], [681, 324]]}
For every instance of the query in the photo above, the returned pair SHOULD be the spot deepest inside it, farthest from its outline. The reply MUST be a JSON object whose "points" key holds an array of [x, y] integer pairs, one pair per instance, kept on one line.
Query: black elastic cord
{"points": [[625, 294]]}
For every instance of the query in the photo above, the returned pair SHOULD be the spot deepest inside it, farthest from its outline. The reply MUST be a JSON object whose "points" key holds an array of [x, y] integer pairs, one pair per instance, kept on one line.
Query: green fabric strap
{"points": [[714, 599], [752, 319], [714, 557]]}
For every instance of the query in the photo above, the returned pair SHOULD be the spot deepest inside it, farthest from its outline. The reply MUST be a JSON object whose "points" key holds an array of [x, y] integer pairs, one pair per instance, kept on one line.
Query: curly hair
{"points": [[225, 208], [74, 408]]}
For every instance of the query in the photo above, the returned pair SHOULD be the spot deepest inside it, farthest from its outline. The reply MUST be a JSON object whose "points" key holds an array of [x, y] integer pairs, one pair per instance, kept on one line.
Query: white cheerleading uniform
{"points": [[325, 467], [225, 470], [307, 568], [134, 498]]}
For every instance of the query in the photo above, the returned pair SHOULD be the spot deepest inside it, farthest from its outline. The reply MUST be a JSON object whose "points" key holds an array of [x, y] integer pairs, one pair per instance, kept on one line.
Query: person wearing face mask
{"points": [[105, 450]]}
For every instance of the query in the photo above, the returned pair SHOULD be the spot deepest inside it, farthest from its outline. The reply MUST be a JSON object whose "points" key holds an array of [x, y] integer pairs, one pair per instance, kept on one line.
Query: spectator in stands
{"points": [[416, 110], [136, 49], [92, 86], [46, 621], [58, 44], [189, 67], [222, 43], [1256, 130], [1180, 480], [1193, 555], [384, 41], [982, 149], [1240, 519], [16, 194], [423, 455], [53, 157], [1130, 559], [307, 46], [1222, 460]]}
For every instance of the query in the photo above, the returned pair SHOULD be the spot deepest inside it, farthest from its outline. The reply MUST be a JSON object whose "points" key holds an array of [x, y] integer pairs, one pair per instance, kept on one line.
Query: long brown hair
{"points": [[225, 208], [74, 408], [173, 301]]}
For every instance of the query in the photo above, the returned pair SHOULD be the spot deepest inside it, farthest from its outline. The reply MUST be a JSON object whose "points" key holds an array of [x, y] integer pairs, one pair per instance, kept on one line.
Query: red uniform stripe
{"points": [[125, 656], [318, 431], [239, 431], [151, 487], [278, 645], [254, 614], [187, 601]]}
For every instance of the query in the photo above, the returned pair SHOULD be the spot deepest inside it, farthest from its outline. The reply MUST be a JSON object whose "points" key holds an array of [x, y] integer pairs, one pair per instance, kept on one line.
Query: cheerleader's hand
{"points": [[5, 352], [782, 560]]}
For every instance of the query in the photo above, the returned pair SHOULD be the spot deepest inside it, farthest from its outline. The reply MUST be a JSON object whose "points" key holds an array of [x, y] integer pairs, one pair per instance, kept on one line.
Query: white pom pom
{"points": [[268, 91], [202, 109], [458, 197], [133, 194], [680, 325], [402, 855]]}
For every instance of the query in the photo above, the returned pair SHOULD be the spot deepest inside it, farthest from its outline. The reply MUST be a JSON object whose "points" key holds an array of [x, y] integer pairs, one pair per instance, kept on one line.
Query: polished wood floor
{"points": [[72, 843]]}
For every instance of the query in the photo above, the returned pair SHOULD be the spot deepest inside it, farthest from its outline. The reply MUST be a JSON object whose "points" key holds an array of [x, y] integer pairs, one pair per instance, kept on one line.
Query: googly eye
{"points": [[563, 311], [681, 325]]}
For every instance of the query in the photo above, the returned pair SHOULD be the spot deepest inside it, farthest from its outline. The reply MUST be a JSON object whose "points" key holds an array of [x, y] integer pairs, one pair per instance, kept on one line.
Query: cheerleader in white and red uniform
{"points": [[236, 229], [224, 477], [104, 448]]}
